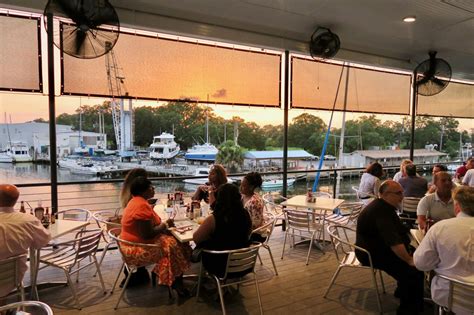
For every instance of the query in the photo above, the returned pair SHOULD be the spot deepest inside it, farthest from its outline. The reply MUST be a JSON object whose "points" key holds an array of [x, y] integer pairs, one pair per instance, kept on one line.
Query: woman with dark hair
{"points": [[370, 181], [125, 194], [217, 178], [141, 276], [228, 227], [252, 201], [141, 224]]}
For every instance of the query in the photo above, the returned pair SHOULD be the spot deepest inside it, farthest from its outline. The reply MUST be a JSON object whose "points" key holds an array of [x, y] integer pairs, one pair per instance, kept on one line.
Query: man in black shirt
{"points": [[380, 231]]}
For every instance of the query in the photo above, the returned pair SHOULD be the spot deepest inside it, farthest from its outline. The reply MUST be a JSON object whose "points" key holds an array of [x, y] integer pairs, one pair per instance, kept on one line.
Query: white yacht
{"points": [[15, 152], [164, 147]]}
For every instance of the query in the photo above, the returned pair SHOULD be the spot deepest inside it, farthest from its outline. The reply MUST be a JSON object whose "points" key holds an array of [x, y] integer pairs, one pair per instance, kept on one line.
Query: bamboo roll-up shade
{"points": [[168, 69], [314, 85], [456, 100], [20, 58]]}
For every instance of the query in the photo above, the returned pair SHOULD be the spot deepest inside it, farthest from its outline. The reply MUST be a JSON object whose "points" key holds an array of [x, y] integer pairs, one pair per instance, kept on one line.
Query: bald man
{"points": [[381, 233], [18, 231]]}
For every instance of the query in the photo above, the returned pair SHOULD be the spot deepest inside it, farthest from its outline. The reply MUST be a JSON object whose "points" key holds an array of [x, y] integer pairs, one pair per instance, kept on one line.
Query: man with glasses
{"points": [[380, 232]]}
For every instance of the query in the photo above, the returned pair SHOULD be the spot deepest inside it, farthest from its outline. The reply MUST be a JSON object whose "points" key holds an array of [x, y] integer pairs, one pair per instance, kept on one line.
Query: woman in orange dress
{"points": [[141, 224]]}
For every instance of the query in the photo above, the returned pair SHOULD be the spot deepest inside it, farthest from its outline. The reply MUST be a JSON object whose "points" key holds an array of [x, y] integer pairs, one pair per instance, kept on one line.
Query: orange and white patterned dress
{"points": [[255, 208], [171, 256]]}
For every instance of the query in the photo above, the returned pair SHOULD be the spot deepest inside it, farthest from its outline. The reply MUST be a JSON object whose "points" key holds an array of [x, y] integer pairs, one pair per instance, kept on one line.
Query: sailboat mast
{"points": [[8, 131], [341, 141], [207, 128]]}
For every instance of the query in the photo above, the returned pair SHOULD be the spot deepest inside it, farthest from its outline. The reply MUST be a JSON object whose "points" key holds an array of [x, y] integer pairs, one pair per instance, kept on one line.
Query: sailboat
{"points": [[203, 152]]}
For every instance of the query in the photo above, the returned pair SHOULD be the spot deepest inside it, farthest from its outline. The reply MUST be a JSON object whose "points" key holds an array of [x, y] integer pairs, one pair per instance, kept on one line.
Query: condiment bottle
{"points": [[309, 195], [22, 207]]}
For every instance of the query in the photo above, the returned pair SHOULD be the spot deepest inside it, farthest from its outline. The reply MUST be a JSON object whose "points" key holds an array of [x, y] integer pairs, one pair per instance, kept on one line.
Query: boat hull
{"points": [[276, 183]]}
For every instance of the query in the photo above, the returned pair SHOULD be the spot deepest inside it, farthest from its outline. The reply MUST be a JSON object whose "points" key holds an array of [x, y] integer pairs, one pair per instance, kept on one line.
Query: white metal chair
{"points": [[10, 274], [460, 297], [106, 220], [45, 309], [130, 262], [348, 214], [69, 255], [408, 211], [345, 254], [240, 262], [266, 231], [303, 222]]}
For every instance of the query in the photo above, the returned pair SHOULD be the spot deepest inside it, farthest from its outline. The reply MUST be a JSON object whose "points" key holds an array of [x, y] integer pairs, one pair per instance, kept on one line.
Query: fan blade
{"points": [[423, 80], [80, 38], [67, 7], [104, 15], [438, 82]]}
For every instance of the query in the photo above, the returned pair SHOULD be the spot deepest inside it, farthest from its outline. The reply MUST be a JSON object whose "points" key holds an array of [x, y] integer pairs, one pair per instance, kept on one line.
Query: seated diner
{"points": [[217, 178], [228, 227], [252, 201], [141, 224]]}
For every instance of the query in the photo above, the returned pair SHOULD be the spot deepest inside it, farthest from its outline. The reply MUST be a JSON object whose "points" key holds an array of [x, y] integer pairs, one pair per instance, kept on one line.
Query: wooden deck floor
{"points": [[298, 289]]}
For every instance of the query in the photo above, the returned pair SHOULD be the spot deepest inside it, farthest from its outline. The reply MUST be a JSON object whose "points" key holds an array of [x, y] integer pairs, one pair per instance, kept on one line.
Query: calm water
{"points": [[105, 195]]}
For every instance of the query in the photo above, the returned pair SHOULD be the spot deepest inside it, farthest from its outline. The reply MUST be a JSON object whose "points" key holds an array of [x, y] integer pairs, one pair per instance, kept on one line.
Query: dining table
{"points": [[58, 229], [184, 227], [320, 204]]}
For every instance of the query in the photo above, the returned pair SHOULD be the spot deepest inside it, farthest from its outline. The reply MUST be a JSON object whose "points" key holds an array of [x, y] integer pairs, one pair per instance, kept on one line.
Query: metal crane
{"points": [[122, 120]]}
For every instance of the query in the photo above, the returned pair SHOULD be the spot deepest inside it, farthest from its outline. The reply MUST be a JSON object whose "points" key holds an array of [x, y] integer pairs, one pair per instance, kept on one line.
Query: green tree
{"points": [[307, 131], [231, 156]]}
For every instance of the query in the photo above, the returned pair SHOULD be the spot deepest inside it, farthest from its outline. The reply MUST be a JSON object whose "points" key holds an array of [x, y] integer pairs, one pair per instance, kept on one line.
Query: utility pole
{"points": [[441, 140]]}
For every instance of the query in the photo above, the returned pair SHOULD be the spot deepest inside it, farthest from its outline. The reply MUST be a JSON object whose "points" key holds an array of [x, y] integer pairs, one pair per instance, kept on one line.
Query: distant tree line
{"points": [[188, 122]]}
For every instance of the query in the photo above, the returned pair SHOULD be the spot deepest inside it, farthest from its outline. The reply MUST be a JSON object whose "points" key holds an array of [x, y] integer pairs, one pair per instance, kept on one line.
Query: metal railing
{"points": [[104, 194]]}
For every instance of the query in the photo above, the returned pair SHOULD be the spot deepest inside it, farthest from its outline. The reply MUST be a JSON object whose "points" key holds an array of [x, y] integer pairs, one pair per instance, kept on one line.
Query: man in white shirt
{"points": [[438, 205], [468, 179], [18, 231], [448, 248]]}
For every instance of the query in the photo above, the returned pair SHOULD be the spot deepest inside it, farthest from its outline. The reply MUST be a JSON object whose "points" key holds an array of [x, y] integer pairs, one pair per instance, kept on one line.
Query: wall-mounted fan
{"points": [[324, 43], [432, 75], [89, 28]]}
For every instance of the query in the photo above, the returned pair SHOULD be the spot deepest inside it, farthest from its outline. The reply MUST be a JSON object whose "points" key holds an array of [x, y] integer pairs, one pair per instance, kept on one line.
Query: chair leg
{"points": [[271, 257], [201, 271], [332, 281], [124, 287], [309, 249], [258, 292], [381, 281], [374, 280], [22, 292], [73, 289], [106, 248], [118, 276], [260, 259], [97, 266], [284, 242], [77, 273], [221, 295]]}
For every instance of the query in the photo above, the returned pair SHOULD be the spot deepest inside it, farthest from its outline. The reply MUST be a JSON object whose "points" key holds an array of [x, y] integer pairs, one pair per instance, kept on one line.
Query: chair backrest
{"points": [[340, 237], [36, 305], [87, 243], [130, 251], [270, 205], [460, 296], [10, 271], [74, 214], [353, 208], [267, 228], [107, 219], [300, 220], [410, 204], [239, 260]]}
